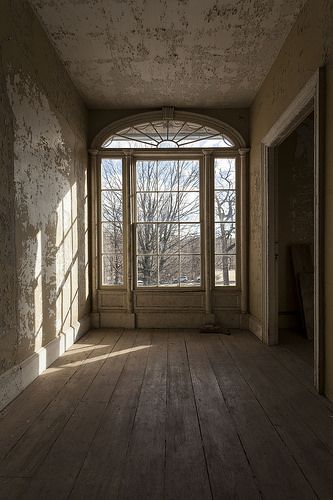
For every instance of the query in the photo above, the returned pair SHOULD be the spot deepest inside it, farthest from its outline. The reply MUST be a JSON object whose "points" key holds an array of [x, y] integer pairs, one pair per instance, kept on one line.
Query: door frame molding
{"points": [[310, 98]]}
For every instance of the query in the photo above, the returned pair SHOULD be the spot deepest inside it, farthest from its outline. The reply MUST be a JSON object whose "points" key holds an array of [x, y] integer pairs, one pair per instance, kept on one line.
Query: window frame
{"points": [[206, 189], [235, 155], [176, 157], [99, 223]]}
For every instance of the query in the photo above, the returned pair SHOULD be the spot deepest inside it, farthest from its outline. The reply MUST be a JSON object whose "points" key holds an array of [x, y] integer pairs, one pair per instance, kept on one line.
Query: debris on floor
{"points": [[212, 328]]}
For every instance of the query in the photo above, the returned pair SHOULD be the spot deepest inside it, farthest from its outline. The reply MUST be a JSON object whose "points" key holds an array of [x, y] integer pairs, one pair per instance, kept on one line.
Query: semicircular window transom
{"points": [[168, 134]]}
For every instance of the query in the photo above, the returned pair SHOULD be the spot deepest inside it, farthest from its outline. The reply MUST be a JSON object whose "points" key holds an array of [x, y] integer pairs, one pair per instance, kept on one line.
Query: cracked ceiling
{"points": [[152, 53]]}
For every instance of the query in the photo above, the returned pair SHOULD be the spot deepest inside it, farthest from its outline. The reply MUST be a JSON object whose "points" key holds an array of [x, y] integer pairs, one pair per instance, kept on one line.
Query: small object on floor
{"points": [[210, 328]]}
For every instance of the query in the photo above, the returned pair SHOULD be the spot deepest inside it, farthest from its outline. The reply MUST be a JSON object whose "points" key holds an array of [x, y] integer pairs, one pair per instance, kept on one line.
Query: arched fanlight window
{"points": [[168, 214], [168, 134]]}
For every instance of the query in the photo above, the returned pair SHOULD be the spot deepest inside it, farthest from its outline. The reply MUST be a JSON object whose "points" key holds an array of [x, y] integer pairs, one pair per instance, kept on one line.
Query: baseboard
{"points": [[117, 320], [15, 380], [254, 325]]}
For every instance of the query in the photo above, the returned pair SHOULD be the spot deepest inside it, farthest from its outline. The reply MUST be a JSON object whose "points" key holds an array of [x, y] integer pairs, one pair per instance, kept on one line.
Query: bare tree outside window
{"points": [[168, 223], [168, 236], [112, 221], [225, 221]]}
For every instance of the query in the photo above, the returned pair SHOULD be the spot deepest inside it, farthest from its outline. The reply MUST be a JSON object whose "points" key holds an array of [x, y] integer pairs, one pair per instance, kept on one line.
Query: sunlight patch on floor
{"points": [[93, 359]]}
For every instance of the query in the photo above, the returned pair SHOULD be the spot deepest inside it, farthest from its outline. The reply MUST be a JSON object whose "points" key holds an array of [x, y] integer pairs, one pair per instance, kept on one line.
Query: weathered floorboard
{"points": [[229, 471], [276, 471], [23, 459], [143, 474], [186, 472], [17, 417], [311, 454], [150, 415], [101, 472]]}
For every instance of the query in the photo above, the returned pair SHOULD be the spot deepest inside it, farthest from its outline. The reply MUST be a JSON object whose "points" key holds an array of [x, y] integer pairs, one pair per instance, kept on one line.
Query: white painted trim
{"points": [[15, 380], [139, 118], [270, 333], [311, 97], [244, 213], [294, 114], [255, 326]]}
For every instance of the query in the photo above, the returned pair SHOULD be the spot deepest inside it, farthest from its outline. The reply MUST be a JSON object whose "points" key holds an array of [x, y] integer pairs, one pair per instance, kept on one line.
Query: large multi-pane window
{"points": [[112, 221], [168, 245], [225, 221], [174, 203]]}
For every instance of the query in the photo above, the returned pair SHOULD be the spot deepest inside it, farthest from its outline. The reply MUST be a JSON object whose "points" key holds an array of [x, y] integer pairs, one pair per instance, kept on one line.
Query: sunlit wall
{"points": [[44, 218]]}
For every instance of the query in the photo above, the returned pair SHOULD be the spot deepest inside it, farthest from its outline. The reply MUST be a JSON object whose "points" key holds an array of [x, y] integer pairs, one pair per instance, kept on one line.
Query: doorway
{"points": [[310, 99], [295, 240]]}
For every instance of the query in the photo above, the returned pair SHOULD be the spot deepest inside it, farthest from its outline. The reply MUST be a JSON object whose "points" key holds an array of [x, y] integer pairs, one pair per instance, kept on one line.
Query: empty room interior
{"points": [[166, 311]]}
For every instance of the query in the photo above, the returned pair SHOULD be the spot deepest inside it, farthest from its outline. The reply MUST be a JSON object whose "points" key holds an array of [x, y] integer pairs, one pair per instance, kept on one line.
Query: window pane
{"points": [[190, 238], [168, 270], [225, 206], [112, 270], [112, 208], [168, 207], [146, 207], [189, 207], [178, 209], [190, 270], [111, 226], [111, 173], [168, 175], [225, 270], [225, 221], [146, 270], [168, 238], [112, 238], [146, 239], [225, 173], [225, 238], [189, 175], [146, 175]]}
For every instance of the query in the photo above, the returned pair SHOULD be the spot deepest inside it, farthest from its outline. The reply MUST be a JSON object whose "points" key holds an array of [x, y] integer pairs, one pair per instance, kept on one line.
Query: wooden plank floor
{"points": [[173, 414]]}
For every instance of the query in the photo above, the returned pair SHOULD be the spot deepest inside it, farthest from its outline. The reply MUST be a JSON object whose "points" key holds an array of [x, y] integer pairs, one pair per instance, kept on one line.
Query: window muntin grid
{"points": [[112, 222], [168, 235], [225, 249], [168, 134], [113, 259]]}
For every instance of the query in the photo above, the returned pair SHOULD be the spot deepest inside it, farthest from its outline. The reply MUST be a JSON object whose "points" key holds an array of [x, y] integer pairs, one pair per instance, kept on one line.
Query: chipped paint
{"points": [[8, 331], [43, 151], [140, 53]]}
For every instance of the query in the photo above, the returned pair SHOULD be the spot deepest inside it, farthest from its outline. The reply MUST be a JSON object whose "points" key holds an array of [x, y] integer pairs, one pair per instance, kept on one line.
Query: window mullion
{"points": [[208, 159], [127, 176], [243, 230], [94, 246]]}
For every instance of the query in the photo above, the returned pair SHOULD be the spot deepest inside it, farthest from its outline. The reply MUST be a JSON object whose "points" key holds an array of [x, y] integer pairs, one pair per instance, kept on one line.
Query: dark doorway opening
{"points": [[295, 240]]}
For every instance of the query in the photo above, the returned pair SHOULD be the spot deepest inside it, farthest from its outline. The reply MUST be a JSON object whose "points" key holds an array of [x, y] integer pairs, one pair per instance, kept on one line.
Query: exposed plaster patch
{"points": [[8, 330], [45, 164], [42, 156]]}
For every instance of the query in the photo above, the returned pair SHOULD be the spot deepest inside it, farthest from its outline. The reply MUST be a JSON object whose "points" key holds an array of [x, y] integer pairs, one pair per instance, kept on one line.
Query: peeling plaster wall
{"points": [[308, 46], [8, 331], [43, 252]]}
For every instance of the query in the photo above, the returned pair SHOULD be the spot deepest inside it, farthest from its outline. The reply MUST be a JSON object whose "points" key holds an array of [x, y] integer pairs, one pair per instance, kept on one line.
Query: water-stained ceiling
{"points": [[146, 53]]}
